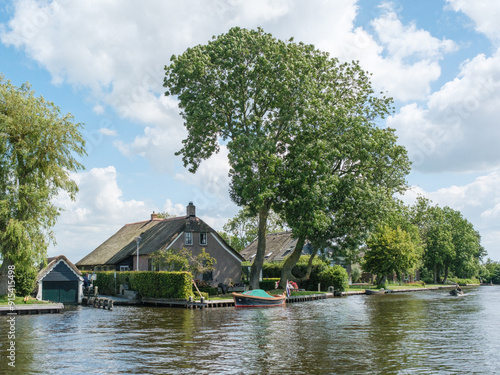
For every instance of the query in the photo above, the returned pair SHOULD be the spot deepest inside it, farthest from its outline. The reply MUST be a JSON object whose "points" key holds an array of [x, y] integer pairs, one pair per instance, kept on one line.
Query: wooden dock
{"points": [[28, 309], [222, 302]]}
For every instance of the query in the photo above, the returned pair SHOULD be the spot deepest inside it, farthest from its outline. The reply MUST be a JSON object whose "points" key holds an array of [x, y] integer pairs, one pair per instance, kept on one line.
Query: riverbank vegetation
{"points": [[39, 149]]}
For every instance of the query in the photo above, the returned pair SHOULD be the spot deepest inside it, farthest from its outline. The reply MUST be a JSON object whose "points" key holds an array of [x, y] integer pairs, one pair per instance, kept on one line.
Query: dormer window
{"points": [[203, 238], [189, 238]]}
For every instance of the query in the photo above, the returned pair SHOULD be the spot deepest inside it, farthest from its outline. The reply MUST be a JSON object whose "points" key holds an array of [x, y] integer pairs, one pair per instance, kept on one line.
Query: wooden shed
{"points": [[60, 281]]}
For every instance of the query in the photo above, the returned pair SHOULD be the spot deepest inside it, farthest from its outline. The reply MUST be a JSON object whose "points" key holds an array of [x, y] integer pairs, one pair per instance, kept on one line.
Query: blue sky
{"points": [[103, 62]]}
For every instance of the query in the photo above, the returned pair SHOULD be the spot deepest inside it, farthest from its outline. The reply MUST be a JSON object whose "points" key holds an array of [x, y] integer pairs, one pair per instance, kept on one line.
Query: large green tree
{"points": [[39, 148], [450, 241], [390, 251], [260, 96]]}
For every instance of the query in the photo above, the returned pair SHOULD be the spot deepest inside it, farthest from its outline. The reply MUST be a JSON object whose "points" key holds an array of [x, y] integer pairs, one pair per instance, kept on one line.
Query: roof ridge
{"points": [[156, 219]]}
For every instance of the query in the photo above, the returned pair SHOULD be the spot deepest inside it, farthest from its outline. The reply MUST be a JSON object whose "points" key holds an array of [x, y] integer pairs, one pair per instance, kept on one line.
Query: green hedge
{"points": [[321, 273], [268, 284], [335, 276], [173, 285]]}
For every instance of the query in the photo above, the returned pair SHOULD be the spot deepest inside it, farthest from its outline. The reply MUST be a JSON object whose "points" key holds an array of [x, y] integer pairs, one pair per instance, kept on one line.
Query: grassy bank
{"points": [[20, 301]]}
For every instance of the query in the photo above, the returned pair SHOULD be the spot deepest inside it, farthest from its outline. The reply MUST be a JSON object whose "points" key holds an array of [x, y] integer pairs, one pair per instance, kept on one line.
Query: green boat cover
{"points": [[257, 293]]}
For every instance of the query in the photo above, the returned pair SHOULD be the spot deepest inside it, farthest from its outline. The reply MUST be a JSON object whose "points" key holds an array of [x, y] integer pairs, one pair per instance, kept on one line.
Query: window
{"points": [[124, 268], [152, 266], [189, 238], [203, 238], [208, 276]]}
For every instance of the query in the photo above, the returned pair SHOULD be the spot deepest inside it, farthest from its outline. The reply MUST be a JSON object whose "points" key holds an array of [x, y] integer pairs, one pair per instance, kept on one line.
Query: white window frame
{"points": [[205, 234], [188, 238], [124, 268]]}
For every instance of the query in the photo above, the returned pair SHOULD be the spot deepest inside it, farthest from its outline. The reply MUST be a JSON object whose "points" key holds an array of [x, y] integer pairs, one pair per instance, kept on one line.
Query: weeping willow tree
{"points": [[39, 148]]}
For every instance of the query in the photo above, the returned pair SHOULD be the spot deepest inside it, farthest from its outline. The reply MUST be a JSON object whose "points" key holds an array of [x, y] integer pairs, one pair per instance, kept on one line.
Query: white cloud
{"points": [[98, 211], [404, 60], [108, 132], [478, 201], [485, 14], [211, 183], [458, 129]]}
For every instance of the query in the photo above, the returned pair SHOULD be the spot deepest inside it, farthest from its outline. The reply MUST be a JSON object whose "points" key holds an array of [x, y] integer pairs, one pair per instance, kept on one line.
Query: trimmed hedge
{"points": [[173, 285], [321, 273], [268, 284]]}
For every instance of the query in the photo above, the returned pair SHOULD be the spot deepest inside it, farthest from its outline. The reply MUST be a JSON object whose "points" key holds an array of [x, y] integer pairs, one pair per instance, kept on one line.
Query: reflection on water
{"points": [[410, 333]]}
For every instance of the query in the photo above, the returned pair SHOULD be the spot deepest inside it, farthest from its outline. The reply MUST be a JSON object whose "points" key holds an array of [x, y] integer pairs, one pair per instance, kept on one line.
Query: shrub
{"points": [[335, 276], [25, 280], [173, 285], [268, 284]]}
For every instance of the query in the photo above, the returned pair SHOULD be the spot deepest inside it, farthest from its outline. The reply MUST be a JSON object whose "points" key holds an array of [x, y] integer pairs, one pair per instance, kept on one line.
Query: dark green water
{"points": [[409, 333]]}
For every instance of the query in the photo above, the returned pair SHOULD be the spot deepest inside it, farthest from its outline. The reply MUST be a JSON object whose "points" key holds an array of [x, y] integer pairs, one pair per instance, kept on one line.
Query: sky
{"points": [[103, 61]]}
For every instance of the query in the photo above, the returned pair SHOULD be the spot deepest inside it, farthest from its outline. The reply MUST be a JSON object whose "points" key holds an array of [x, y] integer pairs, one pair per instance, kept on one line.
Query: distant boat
{"points": [[258, 298], [375, 291]]}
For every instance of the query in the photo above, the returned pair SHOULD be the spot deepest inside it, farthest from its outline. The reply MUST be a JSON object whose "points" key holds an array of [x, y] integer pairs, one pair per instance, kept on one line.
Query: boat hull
{"points": [[242, 300], [375, 291]]}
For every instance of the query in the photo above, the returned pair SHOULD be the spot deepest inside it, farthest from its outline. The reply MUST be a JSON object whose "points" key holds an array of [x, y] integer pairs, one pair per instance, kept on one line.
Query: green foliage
{"points": [[463, 282], [356, 273], [493, 269], [272, 269], [268, 284], [183, 260], [335, 276], [300, 129], [390, 251], [38, 151], [25, 279], [172, 285], [242, 229], [452, 245]]}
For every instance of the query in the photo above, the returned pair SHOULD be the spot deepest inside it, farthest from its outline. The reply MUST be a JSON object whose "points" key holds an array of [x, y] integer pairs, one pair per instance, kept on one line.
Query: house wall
{"points": [[227, 268], [143, 262]]}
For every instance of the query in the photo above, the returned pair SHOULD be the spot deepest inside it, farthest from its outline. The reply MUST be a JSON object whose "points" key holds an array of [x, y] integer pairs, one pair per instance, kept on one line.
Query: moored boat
{"points": [[258, 298], [375, 291]]}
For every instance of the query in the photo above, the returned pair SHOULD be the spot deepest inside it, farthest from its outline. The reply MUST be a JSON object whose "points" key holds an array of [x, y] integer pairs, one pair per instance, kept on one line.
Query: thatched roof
{"points": [[156, 234], [278, 247]]}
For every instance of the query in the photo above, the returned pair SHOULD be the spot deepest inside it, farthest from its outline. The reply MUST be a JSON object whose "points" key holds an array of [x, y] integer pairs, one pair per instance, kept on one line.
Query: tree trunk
{"points": [[261, 248], [435, 273], [290, 262], [309, 265], [4, 277], [445, 274]]}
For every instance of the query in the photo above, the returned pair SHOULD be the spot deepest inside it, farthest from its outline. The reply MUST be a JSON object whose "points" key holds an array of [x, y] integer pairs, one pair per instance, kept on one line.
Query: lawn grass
{"points": [[20, 301]]}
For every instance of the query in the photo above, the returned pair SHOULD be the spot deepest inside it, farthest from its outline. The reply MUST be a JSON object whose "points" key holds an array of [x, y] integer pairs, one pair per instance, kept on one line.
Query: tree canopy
{"points": [[292, 119], [39, 148]]}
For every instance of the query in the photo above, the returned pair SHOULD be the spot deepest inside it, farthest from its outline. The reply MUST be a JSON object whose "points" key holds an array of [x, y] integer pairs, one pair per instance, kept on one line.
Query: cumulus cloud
{"points": [[478, 201], [457, 129], [211, 183], [484, 13], [97, 212]]}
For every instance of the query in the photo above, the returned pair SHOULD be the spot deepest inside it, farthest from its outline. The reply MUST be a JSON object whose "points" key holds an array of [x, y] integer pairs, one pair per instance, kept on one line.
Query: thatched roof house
{"points": [[119, 252]]}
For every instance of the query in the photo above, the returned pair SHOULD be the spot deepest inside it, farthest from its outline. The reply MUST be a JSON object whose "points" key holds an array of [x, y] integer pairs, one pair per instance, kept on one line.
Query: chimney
{"points": [[191, 209], [154, 216]]}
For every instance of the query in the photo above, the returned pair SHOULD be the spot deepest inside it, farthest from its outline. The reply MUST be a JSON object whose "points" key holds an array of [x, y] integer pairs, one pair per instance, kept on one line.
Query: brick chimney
{"points": [[154, 216], [191, 209]]}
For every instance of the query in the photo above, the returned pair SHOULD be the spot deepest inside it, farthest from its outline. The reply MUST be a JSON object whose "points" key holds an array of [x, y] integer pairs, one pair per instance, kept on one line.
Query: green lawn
{"points": [[19, 301]]}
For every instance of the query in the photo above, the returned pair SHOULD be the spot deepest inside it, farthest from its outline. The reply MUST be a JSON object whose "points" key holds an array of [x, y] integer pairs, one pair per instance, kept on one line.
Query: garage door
{"points": [[60, 291]]}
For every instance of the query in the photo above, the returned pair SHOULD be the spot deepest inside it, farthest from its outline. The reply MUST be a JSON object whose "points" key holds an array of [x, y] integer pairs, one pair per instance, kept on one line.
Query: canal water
{"points": [[405, 333]]}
